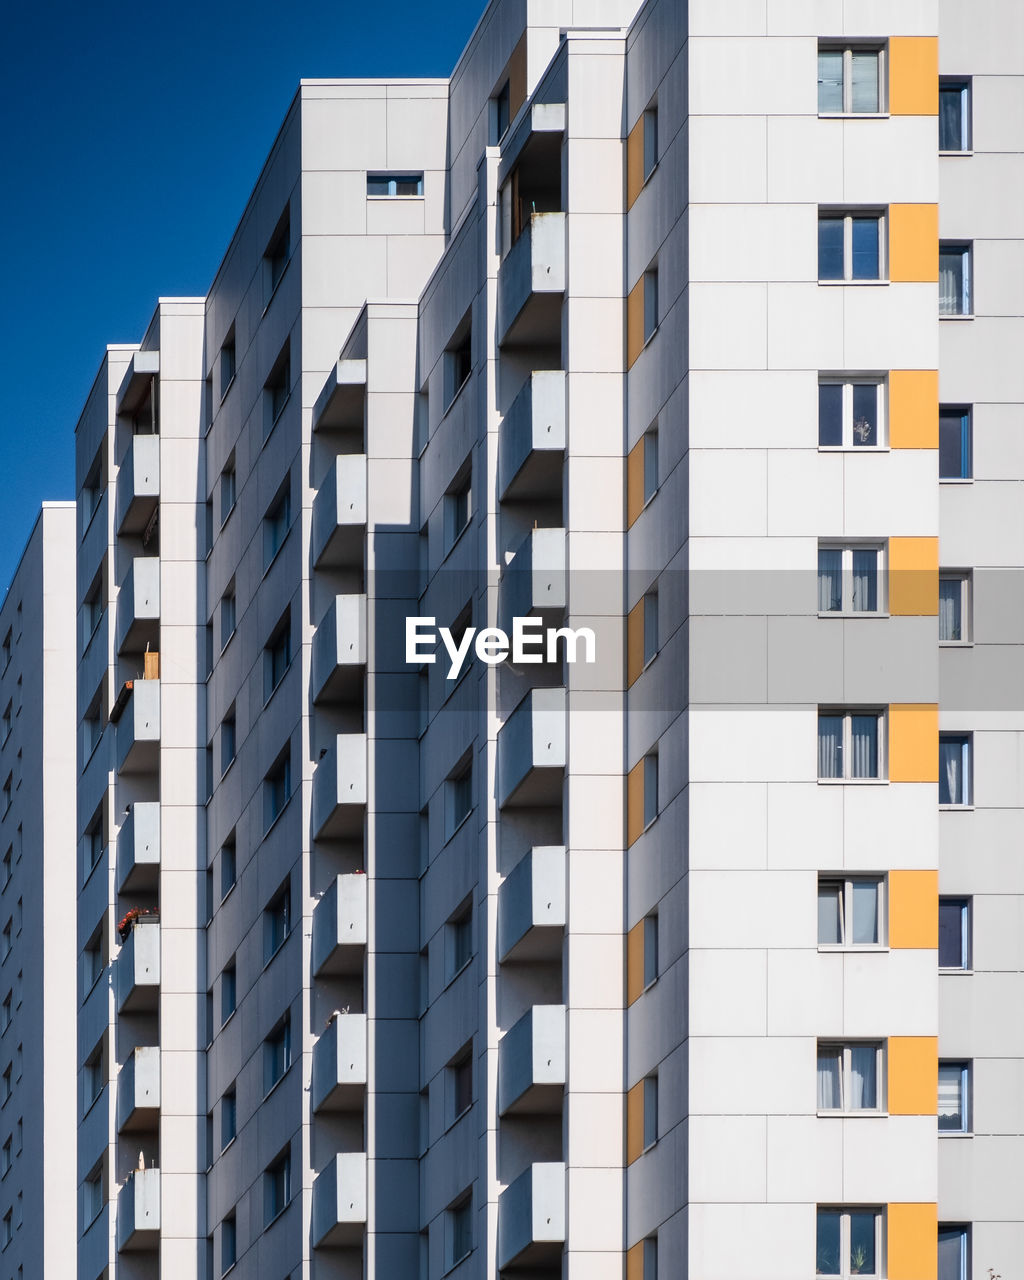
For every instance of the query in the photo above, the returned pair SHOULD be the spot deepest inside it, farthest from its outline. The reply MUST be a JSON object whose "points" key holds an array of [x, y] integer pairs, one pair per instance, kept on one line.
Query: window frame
{"points": [[652, 303], [847, 597], [844, 1272], [228, 991], [650, 139], [849, 382], [966, 743], [393, 179], [226, 363], [964, 85], [651, 968], [963, 578], [649, 1118], [963, 1230], [882, 761], [651, 476], [848, 49], [845, 1049], [279, 773], [962, 1066], [277, 1044], [278, 517], [458, 1218], [228, 492], [277, 1187], [965, 250], [651, 797], [276, 256], [849, 214], [228, 1237], [277, 922], [963, 902], [965, 413], [459, 940], [278, 649], [455, 521], [846, 882], [651, 627], [228, 1111]]}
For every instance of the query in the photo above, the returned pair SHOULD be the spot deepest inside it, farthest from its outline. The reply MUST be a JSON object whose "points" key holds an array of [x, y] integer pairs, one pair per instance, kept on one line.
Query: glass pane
{"points": [[865, 912], [951, 117], [865, 413], [830, 1068], [863, 1078], [650, 464], [951, 1115], [827, 1254], [830, 901], [954, 433], [830, 414], [952, 1253], [952, 951], [953, 759], [950, 608], [865, 248], [830, 580], [830, 248], [862, 1242], [830, 746], [865, 82], [951, 282], [830, 79], [865, 746], [865, 581]]}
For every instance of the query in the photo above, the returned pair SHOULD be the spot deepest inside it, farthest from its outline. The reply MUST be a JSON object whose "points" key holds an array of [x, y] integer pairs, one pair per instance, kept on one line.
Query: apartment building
{"points": [[37, 949], [688, 330]]}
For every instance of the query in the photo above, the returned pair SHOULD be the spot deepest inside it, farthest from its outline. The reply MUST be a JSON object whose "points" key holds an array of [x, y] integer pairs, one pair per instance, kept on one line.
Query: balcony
{"points": [[138, 1090], [339, 651], [137, 384], [339, 514], [531, 1217], [138, 969], [531, 1062], [531, 443], [138, 848], [531, 906], [138, 1212], [138, 485], [341, 405], [531, 284], [137, 717], [339, 1201], [138, 606], [339, 927], [339, 787], [339, 1064], [535, 579], [532, 750]]}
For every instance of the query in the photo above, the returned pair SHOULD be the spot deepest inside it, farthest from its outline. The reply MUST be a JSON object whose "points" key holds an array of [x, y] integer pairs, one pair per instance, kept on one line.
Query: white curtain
{"points": [[950, 1078], [865, 581], [829, 1079], [951, 283], [830, 746], [865, 747], [865, 912], [865, 82], [830, 580], [949, 609], [951, 772], [863, 1078]]}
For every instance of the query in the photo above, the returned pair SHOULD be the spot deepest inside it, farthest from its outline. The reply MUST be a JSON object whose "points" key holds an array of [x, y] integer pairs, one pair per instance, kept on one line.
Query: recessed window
{"points": [[954, 1096], [849, 1242], [277, 1186], [650, 1258], [954, 933], [277, 1053], [228, 491], [228, 1244], [459, 1231], [227, 619], [955, 442], [277, 788], [7, 864], [651, 313], [650, 777], [500, 114], [277, 656], [276, 390], [276, 922], [850, 744], [228, 870], [228, 1117], [850, 1077], [850, 911], [955, 1254], [458, 359], [954, 768], [227, 362], [650, 128], [955, 280], [650, 1111], [227, 740], [650, 949], [394, 184], [650, 463], [849, 579], [954, 607], [851, 245], [459, 1083], [459, 940], [276, 256], [92, 961], [954, 115], [276, 524], [228, 991], [458, 798], [851, 413], [458, 506], [650, 626], [92, 1199], [851, 79], [6, 1008]]}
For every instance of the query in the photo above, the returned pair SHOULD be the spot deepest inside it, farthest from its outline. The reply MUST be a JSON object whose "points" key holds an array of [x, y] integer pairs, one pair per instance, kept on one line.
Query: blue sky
{"points": [[130, 139]]}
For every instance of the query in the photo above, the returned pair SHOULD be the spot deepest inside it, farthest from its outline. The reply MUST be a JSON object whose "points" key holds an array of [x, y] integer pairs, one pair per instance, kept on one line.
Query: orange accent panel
{"points": [[913, 1241], [635, 642], [635, 1262], [913, 75], [914, 742], [517, 78], [634, 482], [913, 1075], [635, 801], [635, 323], [634, 162], [914, 408], [914, 243], [914, 909], [635, 962], [914, 576], [634, 1122]]}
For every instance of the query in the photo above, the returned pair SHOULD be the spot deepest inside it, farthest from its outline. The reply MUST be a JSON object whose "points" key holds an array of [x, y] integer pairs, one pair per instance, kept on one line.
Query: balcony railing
{"points": [[535, 580], [341, 404], [138, 1212], [138, 1089], [138, 848], [532, 750], [531, 906], [138, 484], [339, 514], [339, 651], [339, 1201], [138, 606], [137, 712], [531, 283], [339, 787], [339, 926], [339, 1064], [531, 443], [531, 1217], [138, 968], [531, 1062]]}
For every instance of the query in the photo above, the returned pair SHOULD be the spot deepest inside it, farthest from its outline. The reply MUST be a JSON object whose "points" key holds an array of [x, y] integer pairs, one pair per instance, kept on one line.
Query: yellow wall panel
{"points": [[913, 1241], [634, 323], [635, 801], [635, 642], [634, 482], [914, 242], [914, 742], [914, 909], [914, 408], [635, 1262], [635, 962], [913, 1075], [634, 1122], [913, 75], [914, 577], [634, 162]]}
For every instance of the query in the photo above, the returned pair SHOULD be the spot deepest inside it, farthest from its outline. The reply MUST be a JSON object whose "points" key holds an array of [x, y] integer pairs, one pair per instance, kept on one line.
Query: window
{"points": [[954, 115], [227, 868], [227, 616], [92, 962], [849, 1242], [954, 933], [92, 1195], [459, 939], [954, 608], [277, 656], [228, 1118], [277, 789], [8, 720], [93, 1077], [458, 361], [6, 866], [394, 184], [276, 390], [276, 257], [276, 922], [277, 1054], [954, 1254], [650, 788], [954, 768], [650, 626], [650, 949], [458, 507], [5, 1157], [500, 113], [460, 1083], [650, 463], [851, 413], [954, 1094], [650, 1259], [954, 279], [8, 1227], [5, 939], [228, 1244], [275, 526], [850, 744], [650, 141], [850, 911], [92, 610], [227, 363], [458, 798], [954, 442], [850, 245], [650, 1111], [849, 579], [851, 80], [93, 841], [5, 1083], [227, 741], [228, 991], [277, 1185], [7, 645], [459, 1231], [92, 492], [5, 1011], [8, 793], [651, 315], [850, 1077], [228, 493]]}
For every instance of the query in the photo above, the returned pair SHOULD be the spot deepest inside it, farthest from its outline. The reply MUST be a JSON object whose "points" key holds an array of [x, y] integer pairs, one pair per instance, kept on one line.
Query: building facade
{"points": [[688, 330]]}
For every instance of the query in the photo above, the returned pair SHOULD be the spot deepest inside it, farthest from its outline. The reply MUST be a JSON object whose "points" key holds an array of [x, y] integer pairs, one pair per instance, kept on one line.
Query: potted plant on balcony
{"points": [[132, 917]]}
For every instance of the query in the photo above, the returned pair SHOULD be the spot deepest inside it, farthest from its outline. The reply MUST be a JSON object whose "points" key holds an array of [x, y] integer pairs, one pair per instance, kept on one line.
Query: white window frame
{"points": [[966, 89], [966, 907], [965, 249], [847, 714], [844, 1272], [846, 882], [848, 381], [963, 1229], [845, 1048], [967, 763], [962, 1066], [848, 50], [848, 215], [963, 578], [846, 609]]}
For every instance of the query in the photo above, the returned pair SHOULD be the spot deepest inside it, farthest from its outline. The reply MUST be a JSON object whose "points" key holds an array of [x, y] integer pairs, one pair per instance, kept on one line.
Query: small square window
{"points": [[850, 579], [276, 524], [276, 922], [650, 788], [954, 607], [650, 463], [650, 141], [651, 312], [954, 768], [850, 1077], [851, 413], [955, 442], [955, 1254], [277, 1054], [394, 184], [851, 245], [851, 911], [849, 1243], [955, 280], [954, 933], [954, 115], [851, 744], [954, 1097], [851, 80], [277, 1183]]}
